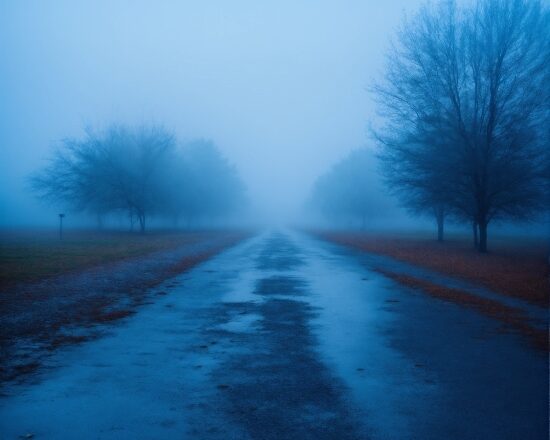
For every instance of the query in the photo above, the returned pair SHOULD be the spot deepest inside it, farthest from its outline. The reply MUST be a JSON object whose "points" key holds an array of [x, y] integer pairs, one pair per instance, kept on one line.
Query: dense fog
{"points": [[282, 92], [279, 87]]}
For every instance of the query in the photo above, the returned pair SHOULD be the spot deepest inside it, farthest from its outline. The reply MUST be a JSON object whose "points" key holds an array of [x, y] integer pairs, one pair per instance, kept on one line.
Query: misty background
{"points": [[279, 87]]}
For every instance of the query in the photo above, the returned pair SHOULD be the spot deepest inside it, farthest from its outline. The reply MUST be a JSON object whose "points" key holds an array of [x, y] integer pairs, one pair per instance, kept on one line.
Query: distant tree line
{"points": [[349, 193], [465, 100], [140, 172]]}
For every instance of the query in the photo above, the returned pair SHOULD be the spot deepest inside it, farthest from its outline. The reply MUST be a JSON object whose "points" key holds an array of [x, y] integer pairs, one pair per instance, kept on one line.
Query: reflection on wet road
{"points": [[287, 337]]}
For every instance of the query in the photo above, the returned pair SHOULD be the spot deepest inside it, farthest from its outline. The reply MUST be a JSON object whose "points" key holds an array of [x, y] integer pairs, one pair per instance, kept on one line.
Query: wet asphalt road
{"points": [[288, 337]]}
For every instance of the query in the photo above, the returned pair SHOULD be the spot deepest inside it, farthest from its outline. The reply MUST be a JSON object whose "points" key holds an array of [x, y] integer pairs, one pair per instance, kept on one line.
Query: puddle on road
{"points": [[281, 285], [241, 323]]}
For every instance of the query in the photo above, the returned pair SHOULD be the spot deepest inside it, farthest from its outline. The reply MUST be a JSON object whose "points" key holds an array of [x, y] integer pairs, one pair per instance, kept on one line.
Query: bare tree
{"points": [[120, 169], [139, 172], [142, 164], [415, 171], [74, 177], [472, 83]]}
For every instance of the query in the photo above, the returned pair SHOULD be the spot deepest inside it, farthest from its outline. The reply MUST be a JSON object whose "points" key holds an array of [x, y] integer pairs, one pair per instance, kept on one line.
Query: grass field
{"points": [[30, 255], [515, 266]]}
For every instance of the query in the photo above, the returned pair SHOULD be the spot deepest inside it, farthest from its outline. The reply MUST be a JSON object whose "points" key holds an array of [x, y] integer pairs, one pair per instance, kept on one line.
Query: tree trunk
{"points": [[482, 237], [440, 217], [476, 237]]}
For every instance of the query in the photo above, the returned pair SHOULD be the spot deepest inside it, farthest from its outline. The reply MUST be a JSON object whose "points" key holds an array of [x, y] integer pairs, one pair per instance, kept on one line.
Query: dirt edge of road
{"points": [[513, 319], [515, 268], [28, 256], [24, 348]]}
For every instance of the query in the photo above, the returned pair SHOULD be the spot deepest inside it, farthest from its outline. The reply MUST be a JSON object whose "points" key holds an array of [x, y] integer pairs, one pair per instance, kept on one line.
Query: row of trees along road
{"points": [[140, 172], [465, 100], [349, 192]]}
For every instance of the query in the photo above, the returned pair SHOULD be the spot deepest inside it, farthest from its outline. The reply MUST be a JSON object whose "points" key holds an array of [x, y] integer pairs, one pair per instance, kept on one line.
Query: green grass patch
{"points": [[34, 255]]}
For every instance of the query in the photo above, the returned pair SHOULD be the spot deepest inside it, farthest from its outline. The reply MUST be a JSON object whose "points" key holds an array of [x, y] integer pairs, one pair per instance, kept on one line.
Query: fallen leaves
{"points": [[514, 267]]}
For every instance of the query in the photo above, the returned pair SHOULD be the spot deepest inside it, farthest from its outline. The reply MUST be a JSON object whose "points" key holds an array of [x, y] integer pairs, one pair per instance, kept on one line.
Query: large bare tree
{"points": [[469, 87]]}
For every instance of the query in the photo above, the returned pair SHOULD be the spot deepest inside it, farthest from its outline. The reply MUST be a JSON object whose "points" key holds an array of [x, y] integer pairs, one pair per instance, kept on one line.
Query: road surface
{"points": [[287, 337]]}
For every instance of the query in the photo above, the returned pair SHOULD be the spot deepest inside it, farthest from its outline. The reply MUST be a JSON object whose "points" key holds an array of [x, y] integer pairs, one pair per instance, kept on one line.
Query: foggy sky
{"points": [[279, 86]]}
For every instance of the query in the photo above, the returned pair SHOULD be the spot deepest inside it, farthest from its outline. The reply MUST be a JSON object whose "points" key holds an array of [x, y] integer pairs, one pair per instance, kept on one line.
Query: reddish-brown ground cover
{"points": [[514, 267], [512, 318]]}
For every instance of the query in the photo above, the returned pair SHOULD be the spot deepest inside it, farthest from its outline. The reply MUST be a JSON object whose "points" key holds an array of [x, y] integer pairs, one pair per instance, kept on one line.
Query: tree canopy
{"points": [[140, 172]]}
